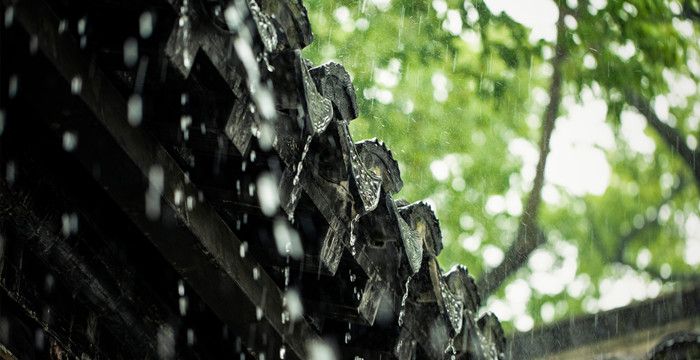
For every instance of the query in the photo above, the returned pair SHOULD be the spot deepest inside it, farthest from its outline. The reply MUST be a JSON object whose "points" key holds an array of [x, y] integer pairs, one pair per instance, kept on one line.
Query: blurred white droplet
{"points": [[155, 189], [183, 305], [76, 85], [131, 52], [12, 85], [69, 224], [320, 350], [256, 273], [185, 122], [268, 195], [294, 306], [33, 44], [146, 25], [70, 141], [287, 239], [62, 26], [190, 337], [135, 110], [243, 249], [177, 197], [82, 24], [9, 16]]}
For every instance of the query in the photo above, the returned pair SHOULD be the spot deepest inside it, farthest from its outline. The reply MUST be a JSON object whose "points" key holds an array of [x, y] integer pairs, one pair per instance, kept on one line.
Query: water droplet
{"points": [[33, 44], [190, 337], [243, 249], [9, 16], [82, 24], [134, 110], [183, 305], [177, 197], [62, 26], [268, 194], [256, 273], [146, 24], [12, 85], [131, 52], [76, 85], [70, 141]]}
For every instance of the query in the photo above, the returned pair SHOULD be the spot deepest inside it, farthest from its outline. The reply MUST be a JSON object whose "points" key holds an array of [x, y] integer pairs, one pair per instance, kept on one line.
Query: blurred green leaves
{"points": [[459, 108]]}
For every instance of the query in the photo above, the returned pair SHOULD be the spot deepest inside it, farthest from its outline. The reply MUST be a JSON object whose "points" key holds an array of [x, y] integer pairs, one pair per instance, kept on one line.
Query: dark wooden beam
{"points": [[195, 240], [647, 318]]}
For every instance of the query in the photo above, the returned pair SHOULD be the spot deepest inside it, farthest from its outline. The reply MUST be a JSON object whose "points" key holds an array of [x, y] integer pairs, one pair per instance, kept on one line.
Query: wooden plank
{"points": [[591, 331]]}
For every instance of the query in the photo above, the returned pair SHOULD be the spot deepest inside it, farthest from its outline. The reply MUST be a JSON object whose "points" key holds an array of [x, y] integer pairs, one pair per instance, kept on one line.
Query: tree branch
{"points": [[671, 136], [529, 236]]}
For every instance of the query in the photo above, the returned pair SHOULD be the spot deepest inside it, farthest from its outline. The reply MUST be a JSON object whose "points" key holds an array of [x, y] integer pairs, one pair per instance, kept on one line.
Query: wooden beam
{"points": [[195, 240], [594, 333]]}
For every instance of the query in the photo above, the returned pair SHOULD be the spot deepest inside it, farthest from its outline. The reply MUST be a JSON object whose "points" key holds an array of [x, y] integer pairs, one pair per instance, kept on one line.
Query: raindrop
{"points": [[135, 110], [268, 195], [256, 273], [62, 26], [39, 339], [10, 172], [190, 337], [69, 224], [12, 86], [287, 239], [243, 249], [180, 288], [155, 189], [177, 197], [320, 350], [146, 25], [49, 282], [82, 24], [185, 122], [33, 44], [131, 52], [9, 16], [183, 305], [76, 85], [283, 352], [70, 141], [258, 313], [251, 189], [292, 299]]}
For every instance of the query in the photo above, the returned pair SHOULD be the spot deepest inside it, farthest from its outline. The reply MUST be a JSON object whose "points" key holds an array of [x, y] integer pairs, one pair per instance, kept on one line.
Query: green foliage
{"points": [[459, 105]]}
